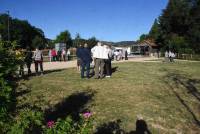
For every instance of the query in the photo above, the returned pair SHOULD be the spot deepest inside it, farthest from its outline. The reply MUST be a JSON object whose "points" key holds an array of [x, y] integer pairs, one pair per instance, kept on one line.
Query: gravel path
{"points": [[71, 64]]}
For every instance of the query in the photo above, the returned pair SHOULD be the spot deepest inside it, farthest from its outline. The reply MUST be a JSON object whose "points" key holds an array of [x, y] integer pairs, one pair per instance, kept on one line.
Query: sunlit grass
{"points": [[165, 95]]}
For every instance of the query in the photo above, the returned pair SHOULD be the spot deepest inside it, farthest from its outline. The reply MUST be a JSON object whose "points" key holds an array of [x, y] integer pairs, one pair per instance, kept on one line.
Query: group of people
{"points": [[27, 57], [60, 55], [101, 55], [121, 55], [169, 56]]}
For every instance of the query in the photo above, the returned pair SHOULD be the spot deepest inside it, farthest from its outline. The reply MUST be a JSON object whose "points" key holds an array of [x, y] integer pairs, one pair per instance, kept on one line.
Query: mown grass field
{"points": [[165, 95]]}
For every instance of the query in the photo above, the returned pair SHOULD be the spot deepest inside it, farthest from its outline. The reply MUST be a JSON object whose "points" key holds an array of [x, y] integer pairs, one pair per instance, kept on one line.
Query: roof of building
{"points": [[147, 43]]}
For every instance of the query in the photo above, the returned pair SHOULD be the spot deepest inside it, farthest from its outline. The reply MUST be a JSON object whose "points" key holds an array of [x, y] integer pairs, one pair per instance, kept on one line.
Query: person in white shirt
{"points": [[98, 55], [63, 54], [116, 53], [171, 56], [68, 54], [50, 56], [166, 56], [38, 59]]}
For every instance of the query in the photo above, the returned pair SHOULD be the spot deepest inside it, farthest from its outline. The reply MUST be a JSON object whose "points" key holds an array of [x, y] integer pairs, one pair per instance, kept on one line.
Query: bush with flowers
{"points": [[83, 126]]}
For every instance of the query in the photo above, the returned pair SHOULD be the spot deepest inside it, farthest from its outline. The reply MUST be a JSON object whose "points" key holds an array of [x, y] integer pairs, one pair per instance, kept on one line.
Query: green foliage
{"points": [[38, 42], [64, 37], [5, 104], [84, 126], [180, 18], [177, 43], [79, 41], [7, 69], [143, 37], [20, 31], [28, 121], [92, 42]]}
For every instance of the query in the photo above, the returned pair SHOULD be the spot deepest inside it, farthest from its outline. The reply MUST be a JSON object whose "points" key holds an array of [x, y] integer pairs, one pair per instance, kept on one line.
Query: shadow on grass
{"points": [[92, 72], [114, 69], [70, 106], [26, 77], [114, 128], [189, 85]]}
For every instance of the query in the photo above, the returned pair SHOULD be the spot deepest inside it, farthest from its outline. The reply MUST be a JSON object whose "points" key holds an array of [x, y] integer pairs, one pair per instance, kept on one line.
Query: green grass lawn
{"points": [[165, 95]]}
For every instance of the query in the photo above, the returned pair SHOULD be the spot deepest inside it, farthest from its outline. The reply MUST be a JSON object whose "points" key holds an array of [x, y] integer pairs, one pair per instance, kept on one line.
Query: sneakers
{"points": [[108, 76]]}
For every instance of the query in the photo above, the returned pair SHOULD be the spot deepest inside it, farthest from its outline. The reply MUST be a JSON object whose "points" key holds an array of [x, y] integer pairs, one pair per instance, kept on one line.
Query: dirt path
{"points": [[71, 64]]}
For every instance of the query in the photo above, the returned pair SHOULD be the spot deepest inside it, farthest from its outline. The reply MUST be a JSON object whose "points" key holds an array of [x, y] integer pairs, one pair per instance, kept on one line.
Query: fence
{"points": [[188, 56], [46, 54]]}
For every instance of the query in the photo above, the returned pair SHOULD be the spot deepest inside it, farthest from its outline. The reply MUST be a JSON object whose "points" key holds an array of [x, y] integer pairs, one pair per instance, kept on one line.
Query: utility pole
{"points": [[8, 26]]}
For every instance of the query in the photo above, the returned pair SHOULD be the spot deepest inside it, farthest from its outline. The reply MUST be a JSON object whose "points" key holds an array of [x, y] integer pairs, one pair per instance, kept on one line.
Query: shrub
{"points": [[7, 68], [84, 126], [28, 121]]}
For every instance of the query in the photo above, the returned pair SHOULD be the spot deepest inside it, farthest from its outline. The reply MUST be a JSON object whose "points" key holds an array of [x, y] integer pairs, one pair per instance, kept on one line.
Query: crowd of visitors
{"points": [[27, 57], [101, 55], [60, 55], [169, 56], [121, 55]]}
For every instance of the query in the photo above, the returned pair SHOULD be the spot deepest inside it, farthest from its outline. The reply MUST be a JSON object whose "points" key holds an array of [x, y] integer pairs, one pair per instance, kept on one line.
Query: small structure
{"points": [[60, 46], [146, 48]]}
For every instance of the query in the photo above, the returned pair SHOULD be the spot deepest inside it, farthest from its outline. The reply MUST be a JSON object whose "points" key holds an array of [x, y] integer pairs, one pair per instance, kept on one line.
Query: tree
{"points": [[175, 17], [194, 30], [92, 42], [77, 40], [143, 37], [64, 37], [178, 27], [20, 31], [155, 31], [38, 42]]}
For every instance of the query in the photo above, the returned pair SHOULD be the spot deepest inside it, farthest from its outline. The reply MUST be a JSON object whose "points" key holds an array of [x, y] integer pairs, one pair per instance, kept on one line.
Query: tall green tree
{"points": [[64, 37], [38, 42], [143, 37], [175, 18], [194, 30], [20, 31], [178, 27], [92, 42], [77, 40]]}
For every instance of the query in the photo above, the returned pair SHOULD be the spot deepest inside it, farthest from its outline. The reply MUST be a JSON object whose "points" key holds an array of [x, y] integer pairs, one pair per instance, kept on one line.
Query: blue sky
{"points": [[110, 20]]}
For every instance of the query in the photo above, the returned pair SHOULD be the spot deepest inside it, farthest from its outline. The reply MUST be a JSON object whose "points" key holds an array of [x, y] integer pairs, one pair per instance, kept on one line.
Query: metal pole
{"points": [[8, 26]]}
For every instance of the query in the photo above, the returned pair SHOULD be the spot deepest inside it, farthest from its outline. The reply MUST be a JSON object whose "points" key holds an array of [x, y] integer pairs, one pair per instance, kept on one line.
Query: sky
{"points": [[107, 20]]}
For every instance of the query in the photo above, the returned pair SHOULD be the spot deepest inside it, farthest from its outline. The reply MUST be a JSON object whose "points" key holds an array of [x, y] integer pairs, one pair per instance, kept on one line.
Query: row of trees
{"points": [[21, 32], [178, 27], [24, 34], [65, 37]]}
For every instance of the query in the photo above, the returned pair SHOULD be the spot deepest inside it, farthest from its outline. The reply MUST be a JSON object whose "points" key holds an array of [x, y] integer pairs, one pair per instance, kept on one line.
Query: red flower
{"points": [[87, 114], [50, 124]]}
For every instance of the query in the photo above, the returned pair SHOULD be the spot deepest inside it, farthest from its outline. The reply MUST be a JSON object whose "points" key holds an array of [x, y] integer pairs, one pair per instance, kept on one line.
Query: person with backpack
{"points": [[38, 59]]}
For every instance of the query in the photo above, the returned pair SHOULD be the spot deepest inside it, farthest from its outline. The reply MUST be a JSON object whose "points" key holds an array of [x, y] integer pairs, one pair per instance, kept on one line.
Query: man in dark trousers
{"points": [[38, 58], [28, 59], [85, 55]]}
